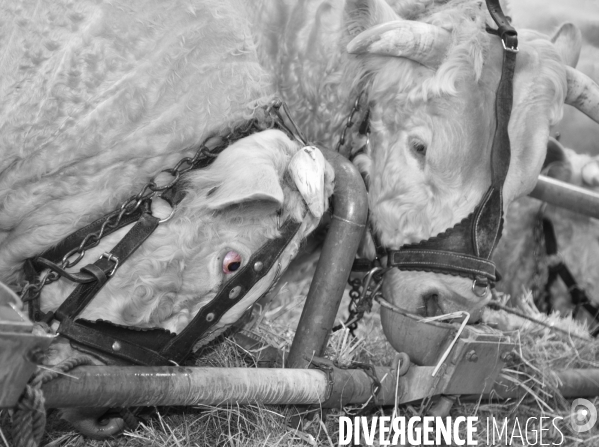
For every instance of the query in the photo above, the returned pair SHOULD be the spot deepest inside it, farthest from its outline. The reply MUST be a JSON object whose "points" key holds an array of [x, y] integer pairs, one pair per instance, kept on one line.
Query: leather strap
{"points": [[447, 262], [56, 253], [153, 347], [83, 293], [505, 30], [106, 343], [79, 278], [466, 249], [230, 293], [578, 295]]}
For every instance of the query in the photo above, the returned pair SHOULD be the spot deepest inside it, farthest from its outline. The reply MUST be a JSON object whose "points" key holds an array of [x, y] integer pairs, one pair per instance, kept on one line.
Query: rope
{"points": [[29, 418], [497, 306]]}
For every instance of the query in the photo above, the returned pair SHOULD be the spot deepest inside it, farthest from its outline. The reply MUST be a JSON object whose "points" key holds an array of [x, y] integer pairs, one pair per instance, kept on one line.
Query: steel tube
{"points": [[350, 205], [573, 383], [125, 386], [573, 198], [131, 386]]}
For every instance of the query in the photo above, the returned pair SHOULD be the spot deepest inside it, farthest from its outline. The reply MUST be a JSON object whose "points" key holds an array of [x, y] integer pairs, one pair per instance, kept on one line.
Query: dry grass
{"points": [[540, 352]]}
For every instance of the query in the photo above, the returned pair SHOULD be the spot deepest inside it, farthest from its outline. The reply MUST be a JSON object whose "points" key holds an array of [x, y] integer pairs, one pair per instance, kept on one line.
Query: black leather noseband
{"points": [[466, 249]]}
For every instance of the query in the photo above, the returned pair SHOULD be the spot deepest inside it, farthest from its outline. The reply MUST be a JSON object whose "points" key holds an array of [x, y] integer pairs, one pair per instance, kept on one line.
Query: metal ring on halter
{"points": [[475, 285], [167, 218]]}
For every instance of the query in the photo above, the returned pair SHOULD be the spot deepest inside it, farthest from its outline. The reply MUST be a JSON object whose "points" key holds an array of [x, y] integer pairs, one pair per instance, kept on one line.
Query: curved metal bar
{"points": [[573, 198], [350, 205]]}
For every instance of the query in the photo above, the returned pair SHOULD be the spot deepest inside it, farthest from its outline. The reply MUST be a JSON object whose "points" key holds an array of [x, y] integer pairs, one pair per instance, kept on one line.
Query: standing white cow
{"points": [[427, 73]]}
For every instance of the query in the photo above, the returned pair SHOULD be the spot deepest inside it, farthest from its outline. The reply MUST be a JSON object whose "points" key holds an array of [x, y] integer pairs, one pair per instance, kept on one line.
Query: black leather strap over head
{"points": [[466, 249]]}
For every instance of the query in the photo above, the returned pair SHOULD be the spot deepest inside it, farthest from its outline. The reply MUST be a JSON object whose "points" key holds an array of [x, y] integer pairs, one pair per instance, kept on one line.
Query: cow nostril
{"points": [[431, 304]]}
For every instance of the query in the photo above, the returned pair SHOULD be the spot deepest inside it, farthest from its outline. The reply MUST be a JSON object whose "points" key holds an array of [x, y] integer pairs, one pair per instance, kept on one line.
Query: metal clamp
{"points": [[112, 258], [510, 49]]}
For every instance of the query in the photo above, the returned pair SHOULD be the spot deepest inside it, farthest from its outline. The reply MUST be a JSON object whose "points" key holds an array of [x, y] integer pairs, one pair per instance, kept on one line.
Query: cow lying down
{"points": [[231, 209], [97, 99]]}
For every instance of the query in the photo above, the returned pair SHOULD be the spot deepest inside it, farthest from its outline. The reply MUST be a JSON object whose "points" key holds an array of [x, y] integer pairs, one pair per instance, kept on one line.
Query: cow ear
{"points": [[568, 41], [363, 14], [257, 183]]}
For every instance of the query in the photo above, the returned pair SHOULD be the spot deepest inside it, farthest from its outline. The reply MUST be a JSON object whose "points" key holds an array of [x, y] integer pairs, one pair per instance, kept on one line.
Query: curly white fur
{"points": [[100, 97]]}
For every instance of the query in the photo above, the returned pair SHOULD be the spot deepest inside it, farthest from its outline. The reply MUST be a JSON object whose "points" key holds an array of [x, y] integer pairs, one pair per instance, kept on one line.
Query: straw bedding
{"points": [[540, 352]]}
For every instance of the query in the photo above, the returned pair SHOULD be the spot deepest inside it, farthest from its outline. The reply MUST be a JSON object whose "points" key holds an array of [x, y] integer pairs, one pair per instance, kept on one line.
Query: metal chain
{"points": [[205, 154], [361, 295], [350, 121]]}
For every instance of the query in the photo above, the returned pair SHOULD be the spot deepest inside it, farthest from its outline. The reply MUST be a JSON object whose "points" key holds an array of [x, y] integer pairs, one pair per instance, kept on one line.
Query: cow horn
{"points": [[417, 41], [306, 169], [583, 93]]}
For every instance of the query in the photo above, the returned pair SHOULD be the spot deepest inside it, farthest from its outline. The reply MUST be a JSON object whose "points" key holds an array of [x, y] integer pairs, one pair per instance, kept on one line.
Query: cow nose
{"points": [[430, 300]]}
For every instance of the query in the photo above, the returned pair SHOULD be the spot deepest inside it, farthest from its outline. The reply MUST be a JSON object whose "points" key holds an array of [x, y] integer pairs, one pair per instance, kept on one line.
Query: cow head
{"points": [[431, 79], [231, 209]]}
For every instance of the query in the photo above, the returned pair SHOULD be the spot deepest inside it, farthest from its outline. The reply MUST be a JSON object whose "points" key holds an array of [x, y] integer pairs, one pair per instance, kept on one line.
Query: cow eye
{"points": [[419, 147], [231, 262]]}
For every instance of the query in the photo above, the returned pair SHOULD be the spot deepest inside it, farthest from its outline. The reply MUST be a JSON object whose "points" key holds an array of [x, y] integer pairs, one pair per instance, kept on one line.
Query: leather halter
{"points": [[466, 249], [152, 346]]}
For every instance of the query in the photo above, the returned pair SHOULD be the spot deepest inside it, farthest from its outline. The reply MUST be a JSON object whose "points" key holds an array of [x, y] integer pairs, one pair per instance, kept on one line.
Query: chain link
{"points": [[350, 122], [205, 154], [361, 294]]}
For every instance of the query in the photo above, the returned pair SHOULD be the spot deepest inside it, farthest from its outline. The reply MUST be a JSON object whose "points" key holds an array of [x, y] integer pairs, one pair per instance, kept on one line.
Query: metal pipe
{"points": [[565, 195], [131, 386], [350, 205], [124, 386], [573, 383]]}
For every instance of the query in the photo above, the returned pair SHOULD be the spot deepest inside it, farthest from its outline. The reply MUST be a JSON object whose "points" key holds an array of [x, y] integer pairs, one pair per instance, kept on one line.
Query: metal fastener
{"points": [[234, 292], [472, 356], [258, 266], [210, 317], [116, 346]]}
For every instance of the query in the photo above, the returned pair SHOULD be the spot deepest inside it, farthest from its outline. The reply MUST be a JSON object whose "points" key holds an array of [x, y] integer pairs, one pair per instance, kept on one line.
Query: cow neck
{"points": [[116, 343]]}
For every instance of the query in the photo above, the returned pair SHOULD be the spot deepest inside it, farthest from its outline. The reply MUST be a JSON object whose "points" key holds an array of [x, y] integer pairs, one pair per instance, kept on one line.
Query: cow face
{"points": [[431, 86], [231, 209]]}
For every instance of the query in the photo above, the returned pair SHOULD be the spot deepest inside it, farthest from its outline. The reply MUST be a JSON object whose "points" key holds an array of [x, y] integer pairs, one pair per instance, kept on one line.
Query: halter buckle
{"points": [[510, 49], [112, 258]]}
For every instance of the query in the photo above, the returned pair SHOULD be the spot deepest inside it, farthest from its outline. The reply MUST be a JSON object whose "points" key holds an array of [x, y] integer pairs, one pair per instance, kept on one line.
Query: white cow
{"points": [[428, 73], [99, 97]]}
